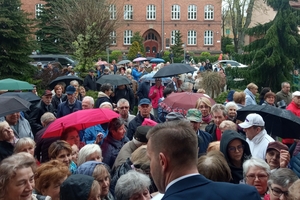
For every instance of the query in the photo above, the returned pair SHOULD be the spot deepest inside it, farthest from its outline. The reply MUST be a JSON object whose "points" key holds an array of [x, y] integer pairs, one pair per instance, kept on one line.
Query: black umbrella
{"points": [[122, 62], [11, 104], [279, 122], [173, 69], [114, 80], [65, 79], [28, 96]]}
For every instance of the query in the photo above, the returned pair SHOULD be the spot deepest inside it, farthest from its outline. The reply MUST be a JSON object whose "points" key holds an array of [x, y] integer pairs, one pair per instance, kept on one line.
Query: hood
{"points": [[88, 167], [227, 137], [76, 187], [102, 94]]}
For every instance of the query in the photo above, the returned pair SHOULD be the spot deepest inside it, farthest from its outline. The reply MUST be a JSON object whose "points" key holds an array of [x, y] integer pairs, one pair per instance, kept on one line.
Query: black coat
{"points": [[56, 101], [89, 83], [127, 94], [6, 150]]}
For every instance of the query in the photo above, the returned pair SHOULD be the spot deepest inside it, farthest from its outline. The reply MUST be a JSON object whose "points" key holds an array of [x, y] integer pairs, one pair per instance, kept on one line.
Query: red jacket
{"points": [[294, 109], [156, 96]]}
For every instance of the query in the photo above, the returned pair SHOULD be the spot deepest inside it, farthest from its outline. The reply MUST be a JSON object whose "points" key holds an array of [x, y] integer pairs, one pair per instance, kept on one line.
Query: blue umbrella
{"points": [[149, 78], [157, 60]]}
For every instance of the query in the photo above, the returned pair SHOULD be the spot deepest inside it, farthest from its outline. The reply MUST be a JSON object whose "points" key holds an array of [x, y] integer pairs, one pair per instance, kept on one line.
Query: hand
{"points": [[284, 158], [155, 91], [99, 138]]}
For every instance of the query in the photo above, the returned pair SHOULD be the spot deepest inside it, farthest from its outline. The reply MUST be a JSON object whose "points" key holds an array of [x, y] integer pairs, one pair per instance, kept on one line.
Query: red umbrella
{"points": [[81, 119], [182, 102]]}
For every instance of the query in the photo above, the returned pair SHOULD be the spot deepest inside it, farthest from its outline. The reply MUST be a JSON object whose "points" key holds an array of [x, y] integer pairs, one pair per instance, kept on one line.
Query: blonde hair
{"points": [[294, 192], [204, 100], [228, 125], [213, 146], [252, 86], [23, 142]]}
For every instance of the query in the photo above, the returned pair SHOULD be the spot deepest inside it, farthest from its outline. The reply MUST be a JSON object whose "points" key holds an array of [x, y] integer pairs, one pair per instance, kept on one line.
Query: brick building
{"points": [[158, 20]]}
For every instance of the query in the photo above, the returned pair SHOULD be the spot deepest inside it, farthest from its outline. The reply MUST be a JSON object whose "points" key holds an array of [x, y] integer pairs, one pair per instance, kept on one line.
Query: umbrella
{"points": [[157, 60], [27, 96], [79, 120], [174, 69], [101, 63], [181, 102], [123, 62], [279, 122], [149, 78], [12, 104], [114, 79], [65, 79], [139, 59], [13, 84]]}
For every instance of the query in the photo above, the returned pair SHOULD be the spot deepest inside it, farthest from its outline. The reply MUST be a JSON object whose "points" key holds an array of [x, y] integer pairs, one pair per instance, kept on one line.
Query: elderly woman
{"points": [[277, 155], [99, 171], [114, 141], [61, 150], [231, 109], [7, 140], [294, 192], [89, 152], [59, 97], [133, 185], [279, 183], [204, 105], [26, 145], [49, 177], [269, 99], [17, 178], [256, 173]]}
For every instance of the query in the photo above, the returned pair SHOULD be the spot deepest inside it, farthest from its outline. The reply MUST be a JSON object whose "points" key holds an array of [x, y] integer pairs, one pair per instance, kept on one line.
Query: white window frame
{"points": [[175, 12], [113, 37], [112, 12], [192, 12], [208, 37], [127, 37], [192, 37], [128, 12], [151, 12], [38, 9], [173, 34], [209, 12]]}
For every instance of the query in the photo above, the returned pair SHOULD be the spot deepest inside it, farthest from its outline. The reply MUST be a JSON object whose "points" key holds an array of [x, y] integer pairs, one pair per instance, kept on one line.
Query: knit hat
{"points": [[141, 132]]}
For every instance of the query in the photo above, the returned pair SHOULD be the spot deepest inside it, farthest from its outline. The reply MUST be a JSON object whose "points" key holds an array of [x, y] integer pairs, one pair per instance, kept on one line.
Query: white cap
{"points": [[252, 120], [296, 94]]}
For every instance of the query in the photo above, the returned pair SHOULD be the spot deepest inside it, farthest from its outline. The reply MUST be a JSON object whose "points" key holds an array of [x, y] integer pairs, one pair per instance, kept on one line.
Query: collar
{"points": [[178, 179], [258, 138]]}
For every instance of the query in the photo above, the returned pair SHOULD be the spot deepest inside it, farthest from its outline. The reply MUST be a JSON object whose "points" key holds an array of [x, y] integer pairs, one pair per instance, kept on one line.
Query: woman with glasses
{"points": [[236, 150], [256, 173], [279, 183], [204, 105]]}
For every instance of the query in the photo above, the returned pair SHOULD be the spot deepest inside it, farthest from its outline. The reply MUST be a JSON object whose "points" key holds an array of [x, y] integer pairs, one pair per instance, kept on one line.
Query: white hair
{"points": [[255, 162], [106, 104], [230, 105], [90, 99], [86, 151]]}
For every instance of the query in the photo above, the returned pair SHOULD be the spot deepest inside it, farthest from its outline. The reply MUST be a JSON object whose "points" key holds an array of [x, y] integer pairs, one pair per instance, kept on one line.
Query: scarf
{"points": [[206, 119]]}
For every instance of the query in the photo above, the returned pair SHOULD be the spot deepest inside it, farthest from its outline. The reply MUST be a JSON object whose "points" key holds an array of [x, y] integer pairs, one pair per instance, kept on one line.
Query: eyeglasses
{"points": [[124, 107], [277, 192], [260, 177], [233, 149], [203, 106]]}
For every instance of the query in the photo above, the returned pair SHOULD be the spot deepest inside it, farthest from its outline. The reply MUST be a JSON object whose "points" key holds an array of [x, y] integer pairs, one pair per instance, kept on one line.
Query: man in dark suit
{"points": [[172, 150]]}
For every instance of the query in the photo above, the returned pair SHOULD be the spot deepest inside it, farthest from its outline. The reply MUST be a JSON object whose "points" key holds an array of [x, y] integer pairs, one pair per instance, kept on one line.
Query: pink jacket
{"points": [[156, 96]]}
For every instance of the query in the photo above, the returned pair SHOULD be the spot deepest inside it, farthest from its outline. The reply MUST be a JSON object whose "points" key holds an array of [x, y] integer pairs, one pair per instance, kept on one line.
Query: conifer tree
{"points": [[134, 49], [177, 48], [137, 37]]}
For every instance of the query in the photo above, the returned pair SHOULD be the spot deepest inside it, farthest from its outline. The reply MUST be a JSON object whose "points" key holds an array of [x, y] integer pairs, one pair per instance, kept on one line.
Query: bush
{"points": [[205, 54], [93, 94], [115, 55], [222, 97]]}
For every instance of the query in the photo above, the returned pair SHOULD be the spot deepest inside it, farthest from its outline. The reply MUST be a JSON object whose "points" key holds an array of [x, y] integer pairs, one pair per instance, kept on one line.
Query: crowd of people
{"points": [[206, 153]]}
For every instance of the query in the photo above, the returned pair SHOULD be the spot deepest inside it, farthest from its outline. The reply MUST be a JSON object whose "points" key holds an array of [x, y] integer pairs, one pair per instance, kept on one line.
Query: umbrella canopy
{"points": [[123, 62], [101, 62], [65, 79], [149, 78], [79, 120], [149, 58], [157, 60], [279, 122], [13, 84], [114, 79], [174, 69], [139, 59], [12, 104], [183, 101], [27, 96]]}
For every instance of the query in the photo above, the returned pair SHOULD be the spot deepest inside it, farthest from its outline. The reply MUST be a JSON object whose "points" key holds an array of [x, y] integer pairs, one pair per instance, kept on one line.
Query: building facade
{"points": [[158, 20]]}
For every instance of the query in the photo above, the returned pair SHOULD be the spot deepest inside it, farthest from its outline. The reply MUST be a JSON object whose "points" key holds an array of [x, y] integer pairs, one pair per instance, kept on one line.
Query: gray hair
{"points": [[86, 151], [218, 108], [283, 83], [74, 82], [121, 101], [106, 104], [9, 167], [23, 142], [230, 105], [2, 125], [187, 86], [90, 99], [255, 162], [47, 117], [283, 177], [130, 183]]}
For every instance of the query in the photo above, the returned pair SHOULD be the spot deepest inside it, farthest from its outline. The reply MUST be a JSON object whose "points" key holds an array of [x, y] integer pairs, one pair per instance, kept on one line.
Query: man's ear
{"points": [[163, 161]]}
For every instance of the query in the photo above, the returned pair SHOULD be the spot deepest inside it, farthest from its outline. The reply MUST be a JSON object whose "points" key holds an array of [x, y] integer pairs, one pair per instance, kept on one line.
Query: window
{"points": [[173, 35], [175, 13], [128, 12], [192, 37], [113, 37], [192, 12], [127, 37], [151, 12], [209, 12], [38, 10], [113, 11], [227, 31], [208, 38]]}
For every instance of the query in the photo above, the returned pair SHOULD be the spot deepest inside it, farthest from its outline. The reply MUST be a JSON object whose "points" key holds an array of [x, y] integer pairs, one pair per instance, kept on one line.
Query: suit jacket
{"points": [[198, 187]]}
